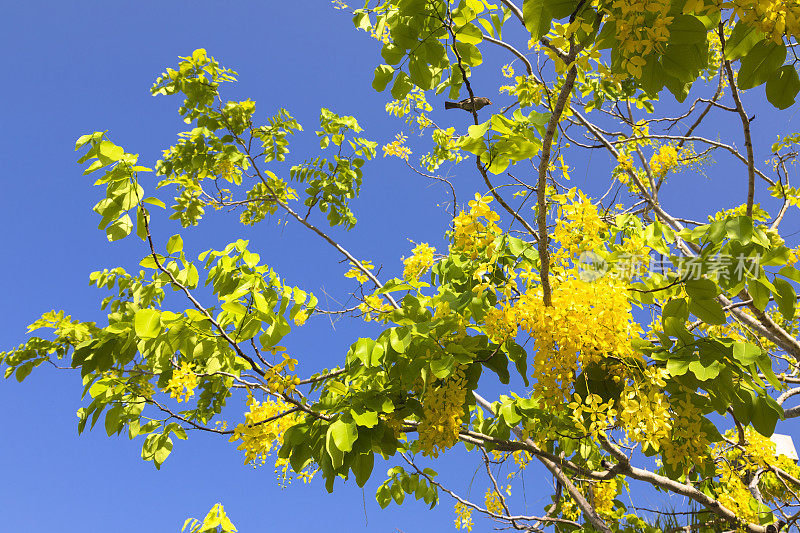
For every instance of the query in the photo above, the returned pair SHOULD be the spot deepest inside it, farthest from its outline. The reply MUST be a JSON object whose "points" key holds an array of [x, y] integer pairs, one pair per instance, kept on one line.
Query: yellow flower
{"points": [[665, 160], [182, 383], [397, 148], [463, 517], [419, 262], [443, 409], [301, 317], [357, 273], [257, 436], [500, 324]]}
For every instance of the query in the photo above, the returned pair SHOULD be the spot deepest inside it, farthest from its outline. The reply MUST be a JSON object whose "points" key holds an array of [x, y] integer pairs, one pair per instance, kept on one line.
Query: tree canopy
{"points": [[598, 336]]}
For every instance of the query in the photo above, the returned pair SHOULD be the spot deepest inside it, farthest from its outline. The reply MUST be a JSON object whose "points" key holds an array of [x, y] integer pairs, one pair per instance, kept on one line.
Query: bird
{"points": [[467, 104]]}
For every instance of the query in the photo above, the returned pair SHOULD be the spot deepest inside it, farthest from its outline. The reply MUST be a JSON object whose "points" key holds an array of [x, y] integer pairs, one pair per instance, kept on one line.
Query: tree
{"points": [[627, 371]]}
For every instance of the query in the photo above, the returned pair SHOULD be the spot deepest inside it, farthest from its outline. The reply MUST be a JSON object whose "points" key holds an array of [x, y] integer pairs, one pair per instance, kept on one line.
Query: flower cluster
{"points": [[357, 273], [773, 17], [644, 409], [603, 494], [735, 465], [397, 148], [625, 162], [526, 89], [265, 424], [278, 380], [665, 160], [374, 307], [226, 170], [443, 409], [500, 323], [492, 501], [578, 228], [475, 232], [285, 476], [586, 322], [300, 318], [569, 509], [463, 517], [183, 382], [642, 27], [688, 445], [419, 262], [591, 414]]}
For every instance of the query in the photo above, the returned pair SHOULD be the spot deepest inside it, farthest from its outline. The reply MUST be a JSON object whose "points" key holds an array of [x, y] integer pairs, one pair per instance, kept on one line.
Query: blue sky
{"points": [[74, 68], [81, 67]]}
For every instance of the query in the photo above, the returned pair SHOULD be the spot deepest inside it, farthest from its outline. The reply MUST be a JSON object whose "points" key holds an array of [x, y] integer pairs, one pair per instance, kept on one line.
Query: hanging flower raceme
{"points": [[265, 424], [419, 262], [475, 232], [443, 409], [587, 322], [183, 382]]}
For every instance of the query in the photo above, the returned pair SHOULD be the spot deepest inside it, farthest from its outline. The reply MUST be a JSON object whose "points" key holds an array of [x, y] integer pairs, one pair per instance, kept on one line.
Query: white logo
{"points": [[591, 266]]}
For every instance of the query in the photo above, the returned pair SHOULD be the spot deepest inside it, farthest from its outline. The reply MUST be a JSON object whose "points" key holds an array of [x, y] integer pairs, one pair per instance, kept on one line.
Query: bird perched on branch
{"points": [[467, 104]]}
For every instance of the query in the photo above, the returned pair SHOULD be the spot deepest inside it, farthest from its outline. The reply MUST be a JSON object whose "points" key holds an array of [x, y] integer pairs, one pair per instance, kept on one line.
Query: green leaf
{"points": [[402, 86], [383, 496], [537, 17], [83, 139], [652, 78], [766, 413], [740, 228], [470, 54], [421, 73], [112, 422], [686, 29], [510, 415], [150, 262], [785, 297], [361, 21], [367, 351], [175, 244], [392, 53], [362, 467], [520, 357], [120, 229], [109, 152], [709, 311], [790, 273], [746, 353], [155, 201], [141, 226], [759, 64], [383, 75], [743, 38], [765, 365], [469, 33], [705, 372], [443, 366], [701, 289], [783, 86], [499, 364], [678, 366], [683, 62], [368, 419], [147, 323], [397, 493], [399, 339], [760, 294], [476, 131], [344, 434]]}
